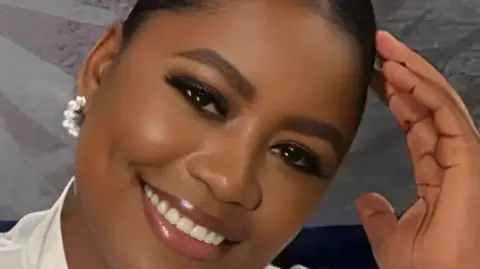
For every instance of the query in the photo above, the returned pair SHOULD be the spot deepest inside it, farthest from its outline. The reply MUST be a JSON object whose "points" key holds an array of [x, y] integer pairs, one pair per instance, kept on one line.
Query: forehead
{"points": [[283, 47]]}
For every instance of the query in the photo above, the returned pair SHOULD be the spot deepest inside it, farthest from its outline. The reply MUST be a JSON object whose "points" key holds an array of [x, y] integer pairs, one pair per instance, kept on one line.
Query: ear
{"points": [[96, 65]]}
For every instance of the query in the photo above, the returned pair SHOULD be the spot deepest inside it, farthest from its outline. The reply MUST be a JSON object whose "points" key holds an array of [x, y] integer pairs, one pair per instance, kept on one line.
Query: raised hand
{"points": [[441, 230]]}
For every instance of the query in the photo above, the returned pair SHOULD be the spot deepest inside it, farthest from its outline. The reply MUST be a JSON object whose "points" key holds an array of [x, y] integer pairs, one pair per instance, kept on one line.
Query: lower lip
{"points": [[176, 239]]}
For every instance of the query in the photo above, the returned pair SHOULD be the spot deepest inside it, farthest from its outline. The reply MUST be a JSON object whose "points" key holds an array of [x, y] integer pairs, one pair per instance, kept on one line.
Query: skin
{"points": [[441, 229], [301, 68]]}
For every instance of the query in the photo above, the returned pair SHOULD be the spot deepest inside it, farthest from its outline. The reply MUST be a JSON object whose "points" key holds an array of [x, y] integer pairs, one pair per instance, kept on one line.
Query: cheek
{"points": [[146, 123], [128, 124]]}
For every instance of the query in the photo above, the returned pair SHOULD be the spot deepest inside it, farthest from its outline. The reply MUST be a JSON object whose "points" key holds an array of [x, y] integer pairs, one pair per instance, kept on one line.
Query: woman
{"points": [[210, 130]]}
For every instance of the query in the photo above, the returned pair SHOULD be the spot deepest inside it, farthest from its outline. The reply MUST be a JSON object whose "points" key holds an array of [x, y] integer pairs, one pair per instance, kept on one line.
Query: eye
{"points": [[299, 158], [203, 97]]}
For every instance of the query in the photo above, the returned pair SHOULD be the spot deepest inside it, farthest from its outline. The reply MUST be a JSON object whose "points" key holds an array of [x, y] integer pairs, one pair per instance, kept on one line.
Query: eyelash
{"points": [[211, 104], [207, 100], [299, 158]]}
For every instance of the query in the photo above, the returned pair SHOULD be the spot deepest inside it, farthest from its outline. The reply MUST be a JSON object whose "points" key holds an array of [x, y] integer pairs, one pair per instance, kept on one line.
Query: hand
{"points": [[441, 230]]}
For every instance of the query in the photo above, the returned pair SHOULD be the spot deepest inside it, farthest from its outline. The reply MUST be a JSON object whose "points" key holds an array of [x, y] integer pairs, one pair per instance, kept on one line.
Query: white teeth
{"points": [[209, 238], [183, 224], [198, 233], [218, 240], [148, 191], [173, 216], [162, 207], [154, 199]]}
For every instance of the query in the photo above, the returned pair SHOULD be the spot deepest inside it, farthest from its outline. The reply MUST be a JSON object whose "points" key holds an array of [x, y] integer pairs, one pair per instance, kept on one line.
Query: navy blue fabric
{"points": [[336, 247], [5, 226]]}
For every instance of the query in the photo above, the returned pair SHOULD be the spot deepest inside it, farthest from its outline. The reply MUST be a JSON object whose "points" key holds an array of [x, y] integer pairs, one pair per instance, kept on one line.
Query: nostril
{"points": [[236, 204], [226, 177]]}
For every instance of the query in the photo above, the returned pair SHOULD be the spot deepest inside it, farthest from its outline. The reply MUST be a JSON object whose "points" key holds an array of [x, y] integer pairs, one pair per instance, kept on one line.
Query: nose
{"points": [[228, 172]]}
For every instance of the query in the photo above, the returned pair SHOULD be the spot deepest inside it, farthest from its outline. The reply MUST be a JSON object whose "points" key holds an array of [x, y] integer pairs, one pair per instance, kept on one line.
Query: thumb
{"points": [[378, 218]]}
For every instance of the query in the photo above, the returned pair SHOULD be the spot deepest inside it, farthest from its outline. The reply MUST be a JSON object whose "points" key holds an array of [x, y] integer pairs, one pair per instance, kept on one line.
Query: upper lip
{"points": [[194, 213]]}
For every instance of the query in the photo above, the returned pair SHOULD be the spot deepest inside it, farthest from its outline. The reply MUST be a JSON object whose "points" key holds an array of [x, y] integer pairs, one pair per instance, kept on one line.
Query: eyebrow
{"points": [[247, 90], [319, 129], [232, 75]]}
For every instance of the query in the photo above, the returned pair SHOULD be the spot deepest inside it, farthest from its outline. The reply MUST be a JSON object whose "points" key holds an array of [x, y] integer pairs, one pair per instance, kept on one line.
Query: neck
{"points": [[79, 246]]}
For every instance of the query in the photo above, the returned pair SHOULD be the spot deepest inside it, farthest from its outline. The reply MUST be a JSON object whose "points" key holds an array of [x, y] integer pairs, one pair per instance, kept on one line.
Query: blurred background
{"points": [[42, 43]]}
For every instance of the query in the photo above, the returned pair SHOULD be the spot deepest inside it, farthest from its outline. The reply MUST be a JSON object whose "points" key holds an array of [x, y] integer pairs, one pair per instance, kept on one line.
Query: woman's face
{"points": [[236, 120]]}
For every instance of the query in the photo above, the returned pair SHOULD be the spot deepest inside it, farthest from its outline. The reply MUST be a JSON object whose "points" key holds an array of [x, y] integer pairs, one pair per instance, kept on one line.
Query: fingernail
{"points": [[377, 64]]}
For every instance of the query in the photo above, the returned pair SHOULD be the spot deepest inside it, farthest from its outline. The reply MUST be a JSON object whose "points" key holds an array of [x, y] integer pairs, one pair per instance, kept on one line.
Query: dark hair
{"points": [[355, 17]]}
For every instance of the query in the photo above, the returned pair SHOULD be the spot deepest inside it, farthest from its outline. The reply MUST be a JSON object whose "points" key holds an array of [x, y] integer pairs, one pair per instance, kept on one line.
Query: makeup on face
{"points": [[236, 141]]}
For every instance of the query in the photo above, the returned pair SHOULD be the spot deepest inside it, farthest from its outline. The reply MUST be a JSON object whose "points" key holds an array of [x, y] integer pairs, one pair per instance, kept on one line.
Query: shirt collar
{"points": [[44, 249]]}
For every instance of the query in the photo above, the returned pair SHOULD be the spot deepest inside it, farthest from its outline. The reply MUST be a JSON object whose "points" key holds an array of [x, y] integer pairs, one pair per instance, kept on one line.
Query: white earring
{"points": [[73, 115]]}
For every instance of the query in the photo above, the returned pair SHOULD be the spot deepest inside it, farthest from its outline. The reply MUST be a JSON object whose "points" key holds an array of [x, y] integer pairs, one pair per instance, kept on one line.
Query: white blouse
{"points": [[36, 241]]}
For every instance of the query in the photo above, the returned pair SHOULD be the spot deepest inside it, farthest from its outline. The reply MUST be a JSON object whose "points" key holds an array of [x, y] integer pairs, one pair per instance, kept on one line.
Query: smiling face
{"points": [[224, 125]]}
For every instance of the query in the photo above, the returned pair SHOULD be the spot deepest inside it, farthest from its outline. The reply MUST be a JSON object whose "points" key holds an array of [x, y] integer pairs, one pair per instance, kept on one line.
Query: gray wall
{"points": [[43, 41]]}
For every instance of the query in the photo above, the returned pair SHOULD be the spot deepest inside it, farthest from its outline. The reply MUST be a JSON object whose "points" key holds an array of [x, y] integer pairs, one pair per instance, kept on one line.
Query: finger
{"points": [[422, 141], [450, 176], [448, 116], [421, 136], [406, 232], [379, 86], [442, 145], [392, 49], [407, 112], [378, 218]]}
